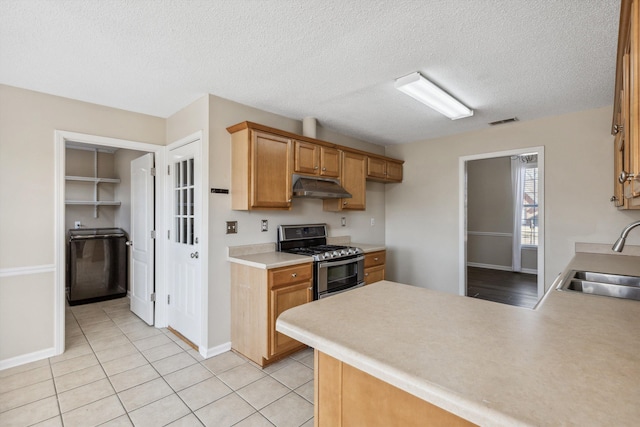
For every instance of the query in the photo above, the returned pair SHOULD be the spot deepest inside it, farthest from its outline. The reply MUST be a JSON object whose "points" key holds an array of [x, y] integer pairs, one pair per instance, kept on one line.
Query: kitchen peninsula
{"points": [[574, 360]]}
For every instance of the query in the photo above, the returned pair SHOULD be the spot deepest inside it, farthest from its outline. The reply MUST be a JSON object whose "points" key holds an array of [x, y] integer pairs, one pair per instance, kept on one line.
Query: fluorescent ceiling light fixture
{"points": [[432, 96]]}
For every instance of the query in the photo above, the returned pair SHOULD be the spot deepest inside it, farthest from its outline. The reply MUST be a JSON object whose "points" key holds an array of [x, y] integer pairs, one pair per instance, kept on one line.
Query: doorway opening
{"points": [[93, 176], [502, 226]]}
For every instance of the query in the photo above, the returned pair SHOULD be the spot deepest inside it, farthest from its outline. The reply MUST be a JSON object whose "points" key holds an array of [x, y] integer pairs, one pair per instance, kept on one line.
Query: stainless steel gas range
{"points": [[336, 268]]}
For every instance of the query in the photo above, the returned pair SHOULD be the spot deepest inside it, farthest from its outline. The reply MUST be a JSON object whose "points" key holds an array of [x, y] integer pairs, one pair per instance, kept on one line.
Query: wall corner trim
{"points": [[214, 351]]}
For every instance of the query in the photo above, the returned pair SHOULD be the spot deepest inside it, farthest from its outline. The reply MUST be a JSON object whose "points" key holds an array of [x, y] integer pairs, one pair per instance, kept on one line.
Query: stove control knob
{"points": [[335, 254], [350, 251], [326, 255]]}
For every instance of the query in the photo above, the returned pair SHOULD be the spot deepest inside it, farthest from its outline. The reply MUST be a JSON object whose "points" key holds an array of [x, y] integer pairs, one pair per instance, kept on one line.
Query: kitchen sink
{"points": [[608, 285]]}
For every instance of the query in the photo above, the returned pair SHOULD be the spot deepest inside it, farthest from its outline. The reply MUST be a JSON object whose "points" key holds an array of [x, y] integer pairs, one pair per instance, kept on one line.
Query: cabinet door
{"points": [[280, 300], [618, 167], [271, 172], [305, 157], [633, 121], [354, 180], [394, 171], [329, 162], [376, 168]]}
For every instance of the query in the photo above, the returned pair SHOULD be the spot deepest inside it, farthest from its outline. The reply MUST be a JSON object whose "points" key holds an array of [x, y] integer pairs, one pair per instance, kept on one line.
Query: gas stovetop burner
{"points": [[311, 240], [323, 252]]}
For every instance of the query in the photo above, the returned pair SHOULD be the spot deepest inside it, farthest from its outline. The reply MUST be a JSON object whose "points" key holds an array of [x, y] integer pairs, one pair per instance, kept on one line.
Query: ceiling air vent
{"points": [[502, 122]]}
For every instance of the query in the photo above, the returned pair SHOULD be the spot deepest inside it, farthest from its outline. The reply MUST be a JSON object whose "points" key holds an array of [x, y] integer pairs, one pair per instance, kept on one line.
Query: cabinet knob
{"points": [[315, 168], [375, 259], [366, 274], [625, 176], [294, 274], [344, 203], [324, 169], [613, 199]]}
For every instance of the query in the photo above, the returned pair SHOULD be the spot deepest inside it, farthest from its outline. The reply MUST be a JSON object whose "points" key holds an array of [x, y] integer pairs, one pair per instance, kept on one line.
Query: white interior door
{"points": [[184, 258], [141, 242]]}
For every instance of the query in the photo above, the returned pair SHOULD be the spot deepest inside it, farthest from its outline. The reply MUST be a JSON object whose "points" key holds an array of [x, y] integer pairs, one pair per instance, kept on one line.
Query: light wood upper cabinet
{"points": [[626, 118], [264, 160], [353, 179], [258, 297], [384, 170], [260, 171], [313, 159]]}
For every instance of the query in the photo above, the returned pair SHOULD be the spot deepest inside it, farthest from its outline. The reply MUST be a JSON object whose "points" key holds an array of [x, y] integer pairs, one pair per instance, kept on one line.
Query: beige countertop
{"points": [[366, 247], [267, 260], [573, 361], [265, 257]]}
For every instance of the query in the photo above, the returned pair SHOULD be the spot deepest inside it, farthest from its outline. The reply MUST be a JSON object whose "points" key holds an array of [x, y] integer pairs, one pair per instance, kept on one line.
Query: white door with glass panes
{"points": [[141, 242], [184, 305]]}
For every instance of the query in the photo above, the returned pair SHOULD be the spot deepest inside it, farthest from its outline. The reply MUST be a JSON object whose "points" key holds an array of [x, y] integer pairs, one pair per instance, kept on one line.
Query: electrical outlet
{"points": [[232, 227], [343, 221], [373, 222], [265, 225], [78, 224]]}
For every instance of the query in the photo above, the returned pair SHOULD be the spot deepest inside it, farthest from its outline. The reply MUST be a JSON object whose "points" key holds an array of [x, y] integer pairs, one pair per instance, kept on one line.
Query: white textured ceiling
{"points": [[333, 60]]}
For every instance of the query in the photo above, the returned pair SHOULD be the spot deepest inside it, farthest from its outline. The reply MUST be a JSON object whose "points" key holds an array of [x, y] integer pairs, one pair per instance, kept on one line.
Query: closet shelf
{"points": [[92, 179]]}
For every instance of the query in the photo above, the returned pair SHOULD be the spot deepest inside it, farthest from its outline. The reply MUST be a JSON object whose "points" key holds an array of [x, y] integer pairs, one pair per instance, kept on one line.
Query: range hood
{"points": [[318, 188]]}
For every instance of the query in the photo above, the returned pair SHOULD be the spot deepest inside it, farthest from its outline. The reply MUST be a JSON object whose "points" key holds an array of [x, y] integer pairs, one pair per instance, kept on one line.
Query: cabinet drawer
{"points": [[375, 258], [374, 274], [288, 275]]}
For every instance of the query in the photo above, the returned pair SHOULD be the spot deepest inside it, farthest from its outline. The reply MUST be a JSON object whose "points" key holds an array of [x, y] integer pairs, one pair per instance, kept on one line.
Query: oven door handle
{"points": [[330, 294], [324, 264]]}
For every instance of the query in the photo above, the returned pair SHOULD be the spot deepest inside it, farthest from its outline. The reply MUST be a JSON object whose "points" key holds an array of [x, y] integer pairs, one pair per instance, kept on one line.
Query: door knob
{"points": [[129, 243]]}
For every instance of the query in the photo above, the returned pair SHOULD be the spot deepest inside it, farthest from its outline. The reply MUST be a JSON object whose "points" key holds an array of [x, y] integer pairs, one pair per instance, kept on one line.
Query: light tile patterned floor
{"points": [[117, 371]]}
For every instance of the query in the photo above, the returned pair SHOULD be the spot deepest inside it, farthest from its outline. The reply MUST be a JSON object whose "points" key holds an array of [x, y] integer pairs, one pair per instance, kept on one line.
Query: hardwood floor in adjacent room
{"points": [[505, 287]]}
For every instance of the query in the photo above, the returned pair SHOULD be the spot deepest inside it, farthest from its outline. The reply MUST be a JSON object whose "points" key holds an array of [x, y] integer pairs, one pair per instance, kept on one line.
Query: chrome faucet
{"points": [[619, 244]]}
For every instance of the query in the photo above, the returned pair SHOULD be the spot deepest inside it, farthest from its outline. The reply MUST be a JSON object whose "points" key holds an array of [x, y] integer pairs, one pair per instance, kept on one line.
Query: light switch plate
{"points": [[343, 221]]}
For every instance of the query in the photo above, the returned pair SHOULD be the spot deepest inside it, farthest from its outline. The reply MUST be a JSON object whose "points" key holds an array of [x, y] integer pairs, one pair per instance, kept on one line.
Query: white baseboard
{"points": [[214, 351], [27, 358], [500, 267], [490, 266]]}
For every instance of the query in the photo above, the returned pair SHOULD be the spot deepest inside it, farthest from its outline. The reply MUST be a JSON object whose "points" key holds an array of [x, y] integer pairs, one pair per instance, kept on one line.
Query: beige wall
{"points": [[27, 124], [489, 210], [422, 212], [489, 195]]}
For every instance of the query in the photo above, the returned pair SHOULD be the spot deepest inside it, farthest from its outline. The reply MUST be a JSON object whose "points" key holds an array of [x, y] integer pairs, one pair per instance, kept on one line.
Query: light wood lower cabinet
{"points": [[258, 297], [346, 396], [374, 264]]}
